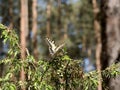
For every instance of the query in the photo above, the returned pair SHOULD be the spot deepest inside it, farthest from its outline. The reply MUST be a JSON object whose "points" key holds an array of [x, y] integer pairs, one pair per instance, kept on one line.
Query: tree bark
{"points": [[113, 34], [98, 40], [23, 35], [110, 22]]}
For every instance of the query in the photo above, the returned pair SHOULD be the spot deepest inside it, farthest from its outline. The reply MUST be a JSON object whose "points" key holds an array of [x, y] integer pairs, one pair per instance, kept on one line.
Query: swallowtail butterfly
{"points": [[53, 49]]}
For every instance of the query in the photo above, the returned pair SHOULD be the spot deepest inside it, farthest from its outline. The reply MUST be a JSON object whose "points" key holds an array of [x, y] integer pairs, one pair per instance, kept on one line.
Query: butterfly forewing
{"points": [[51, 43]]}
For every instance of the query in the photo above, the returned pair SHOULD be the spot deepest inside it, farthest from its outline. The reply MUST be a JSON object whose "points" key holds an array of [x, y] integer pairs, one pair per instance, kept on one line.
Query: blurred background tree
{"points": [[110, 26]]}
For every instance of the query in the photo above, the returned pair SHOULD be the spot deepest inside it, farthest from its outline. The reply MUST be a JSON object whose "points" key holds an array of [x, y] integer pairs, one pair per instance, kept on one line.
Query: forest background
{"points": [[90, 30]]}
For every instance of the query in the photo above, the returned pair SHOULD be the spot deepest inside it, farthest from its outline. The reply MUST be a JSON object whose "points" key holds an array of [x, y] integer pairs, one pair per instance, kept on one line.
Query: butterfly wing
{"points": [[58, 48], [53, 49], [51, 45]]}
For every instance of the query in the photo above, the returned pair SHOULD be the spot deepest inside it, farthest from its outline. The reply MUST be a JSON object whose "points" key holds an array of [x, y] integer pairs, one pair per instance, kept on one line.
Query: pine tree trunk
{"points": [[34, 29], [23, 35], [98, 40]]}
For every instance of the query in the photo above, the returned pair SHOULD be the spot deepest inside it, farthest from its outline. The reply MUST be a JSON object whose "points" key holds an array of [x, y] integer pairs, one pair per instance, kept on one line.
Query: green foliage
{"points": [[112, 71], [59, 72]]}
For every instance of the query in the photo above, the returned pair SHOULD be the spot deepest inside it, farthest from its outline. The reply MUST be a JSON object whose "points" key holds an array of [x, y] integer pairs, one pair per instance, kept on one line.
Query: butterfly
{"points": [[53, 49]]}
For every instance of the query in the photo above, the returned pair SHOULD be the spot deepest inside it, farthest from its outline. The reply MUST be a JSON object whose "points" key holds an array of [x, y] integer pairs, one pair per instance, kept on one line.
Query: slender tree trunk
{"points": [[30, 27], [65, 31], [89, 52], [98, 39], [34, 29], [48, 18], [1, 54], [23, 35], [1, 41]]}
